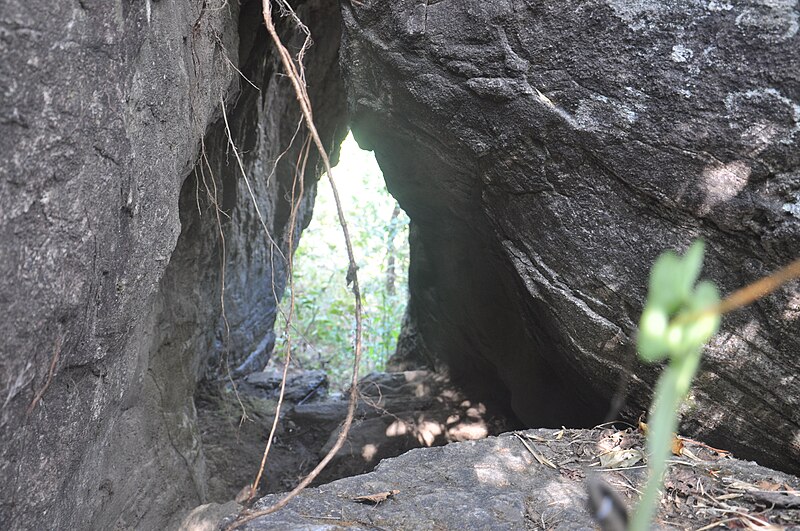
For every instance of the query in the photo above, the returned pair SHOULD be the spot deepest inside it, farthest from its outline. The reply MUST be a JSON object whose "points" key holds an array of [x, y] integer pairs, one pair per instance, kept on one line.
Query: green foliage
{"points": [[678, 319], [322, 327], [672, 294]]}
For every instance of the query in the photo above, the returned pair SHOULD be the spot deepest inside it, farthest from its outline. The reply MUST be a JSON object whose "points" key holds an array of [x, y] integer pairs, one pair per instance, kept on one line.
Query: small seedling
{"points": [[679, 317]]}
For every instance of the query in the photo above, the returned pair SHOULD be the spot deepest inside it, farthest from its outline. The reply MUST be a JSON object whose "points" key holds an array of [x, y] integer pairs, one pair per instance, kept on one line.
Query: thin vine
{"points": [[296, 74]]}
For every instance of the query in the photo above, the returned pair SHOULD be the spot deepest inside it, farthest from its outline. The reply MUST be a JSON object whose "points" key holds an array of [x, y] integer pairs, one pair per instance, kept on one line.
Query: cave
{"points": [[156, 174]]}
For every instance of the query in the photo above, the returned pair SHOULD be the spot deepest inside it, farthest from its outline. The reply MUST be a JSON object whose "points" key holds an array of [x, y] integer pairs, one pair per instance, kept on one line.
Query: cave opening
{"points": [[403, 405], [320, 333]]}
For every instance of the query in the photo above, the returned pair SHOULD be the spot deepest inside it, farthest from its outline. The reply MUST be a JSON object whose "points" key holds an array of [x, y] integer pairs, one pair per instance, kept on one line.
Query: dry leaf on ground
{"points": [[375, 499]]}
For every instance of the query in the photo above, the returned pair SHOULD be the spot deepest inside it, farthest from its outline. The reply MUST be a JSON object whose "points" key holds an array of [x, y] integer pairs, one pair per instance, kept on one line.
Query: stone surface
{"points": [[206, 517], [547, 152], [497, 483], [113, 155], [301, 385]]}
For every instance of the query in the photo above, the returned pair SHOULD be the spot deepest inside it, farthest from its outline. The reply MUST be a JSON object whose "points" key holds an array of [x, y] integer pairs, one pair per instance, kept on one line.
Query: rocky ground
{"points": [[534, 479], [537, 480]]}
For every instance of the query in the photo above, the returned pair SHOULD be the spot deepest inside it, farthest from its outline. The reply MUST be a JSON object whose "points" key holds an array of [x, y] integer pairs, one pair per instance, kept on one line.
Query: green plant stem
{"points": [[672, 387], [662, 424]]}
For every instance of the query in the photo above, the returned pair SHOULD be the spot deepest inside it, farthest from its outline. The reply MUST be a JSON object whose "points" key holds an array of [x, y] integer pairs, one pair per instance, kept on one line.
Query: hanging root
{"points": [[296, 75], [299, 176]]}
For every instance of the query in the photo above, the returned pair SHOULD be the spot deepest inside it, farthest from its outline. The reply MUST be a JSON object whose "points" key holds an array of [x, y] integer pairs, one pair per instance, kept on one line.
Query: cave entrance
{"points": [[400, 407], [323, 323]]}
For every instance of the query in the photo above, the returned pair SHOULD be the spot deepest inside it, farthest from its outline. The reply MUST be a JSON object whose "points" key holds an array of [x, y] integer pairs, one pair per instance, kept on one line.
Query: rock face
{"points": [[114, 160], [547, 152]]}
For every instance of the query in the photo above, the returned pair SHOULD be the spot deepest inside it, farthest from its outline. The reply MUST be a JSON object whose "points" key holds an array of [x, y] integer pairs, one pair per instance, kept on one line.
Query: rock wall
{"points": [[113, 157], [547, 152]]}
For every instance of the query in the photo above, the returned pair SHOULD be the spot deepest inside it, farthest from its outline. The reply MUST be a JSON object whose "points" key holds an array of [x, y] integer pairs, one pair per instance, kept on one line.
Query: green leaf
{"points": [[691, 265], [706, 295], [698, 331], [686, 369], [674, 336], [665, 279], [652, 342]]}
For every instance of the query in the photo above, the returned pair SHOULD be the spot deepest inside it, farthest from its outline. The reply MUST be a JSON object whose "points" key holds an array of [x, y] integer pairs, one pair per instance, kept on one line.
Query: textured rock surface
{"points": [[112, 305], [497, 483], [546, 152], [487, 484]]}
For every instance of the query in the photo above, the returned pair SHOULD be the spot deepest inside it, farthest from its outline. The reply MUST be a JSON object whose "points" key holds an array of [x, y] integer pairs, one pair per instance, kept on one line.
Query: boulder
{"points": [[301, 385], [118, 182], [547, 152]]}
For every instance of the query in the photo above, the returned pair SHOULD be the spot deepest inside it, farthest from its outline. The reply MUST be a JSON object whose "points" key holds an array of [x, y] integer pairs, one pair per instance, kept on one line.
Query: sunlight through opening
{"points": [[323, 324]]}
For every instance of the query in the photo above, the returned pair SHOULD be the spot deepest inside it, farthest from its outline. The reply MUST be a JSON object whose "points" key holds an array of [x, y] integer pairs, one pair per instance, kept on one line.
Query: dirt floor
{"points": [[234, 431], [397, 412]]}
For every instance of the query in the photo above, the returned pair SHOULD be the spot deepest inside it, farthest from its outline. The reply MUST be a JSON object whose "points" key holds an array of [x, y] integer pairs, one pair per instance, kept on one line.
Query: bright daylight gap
{"points": [[323, 322]]}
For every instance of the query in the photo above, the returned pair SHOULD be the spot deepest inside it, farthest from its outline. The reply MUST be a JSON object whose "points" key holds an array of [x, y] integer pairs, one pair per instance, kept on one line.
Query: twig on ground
{"points": [[717, 524], [540, 458]]}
